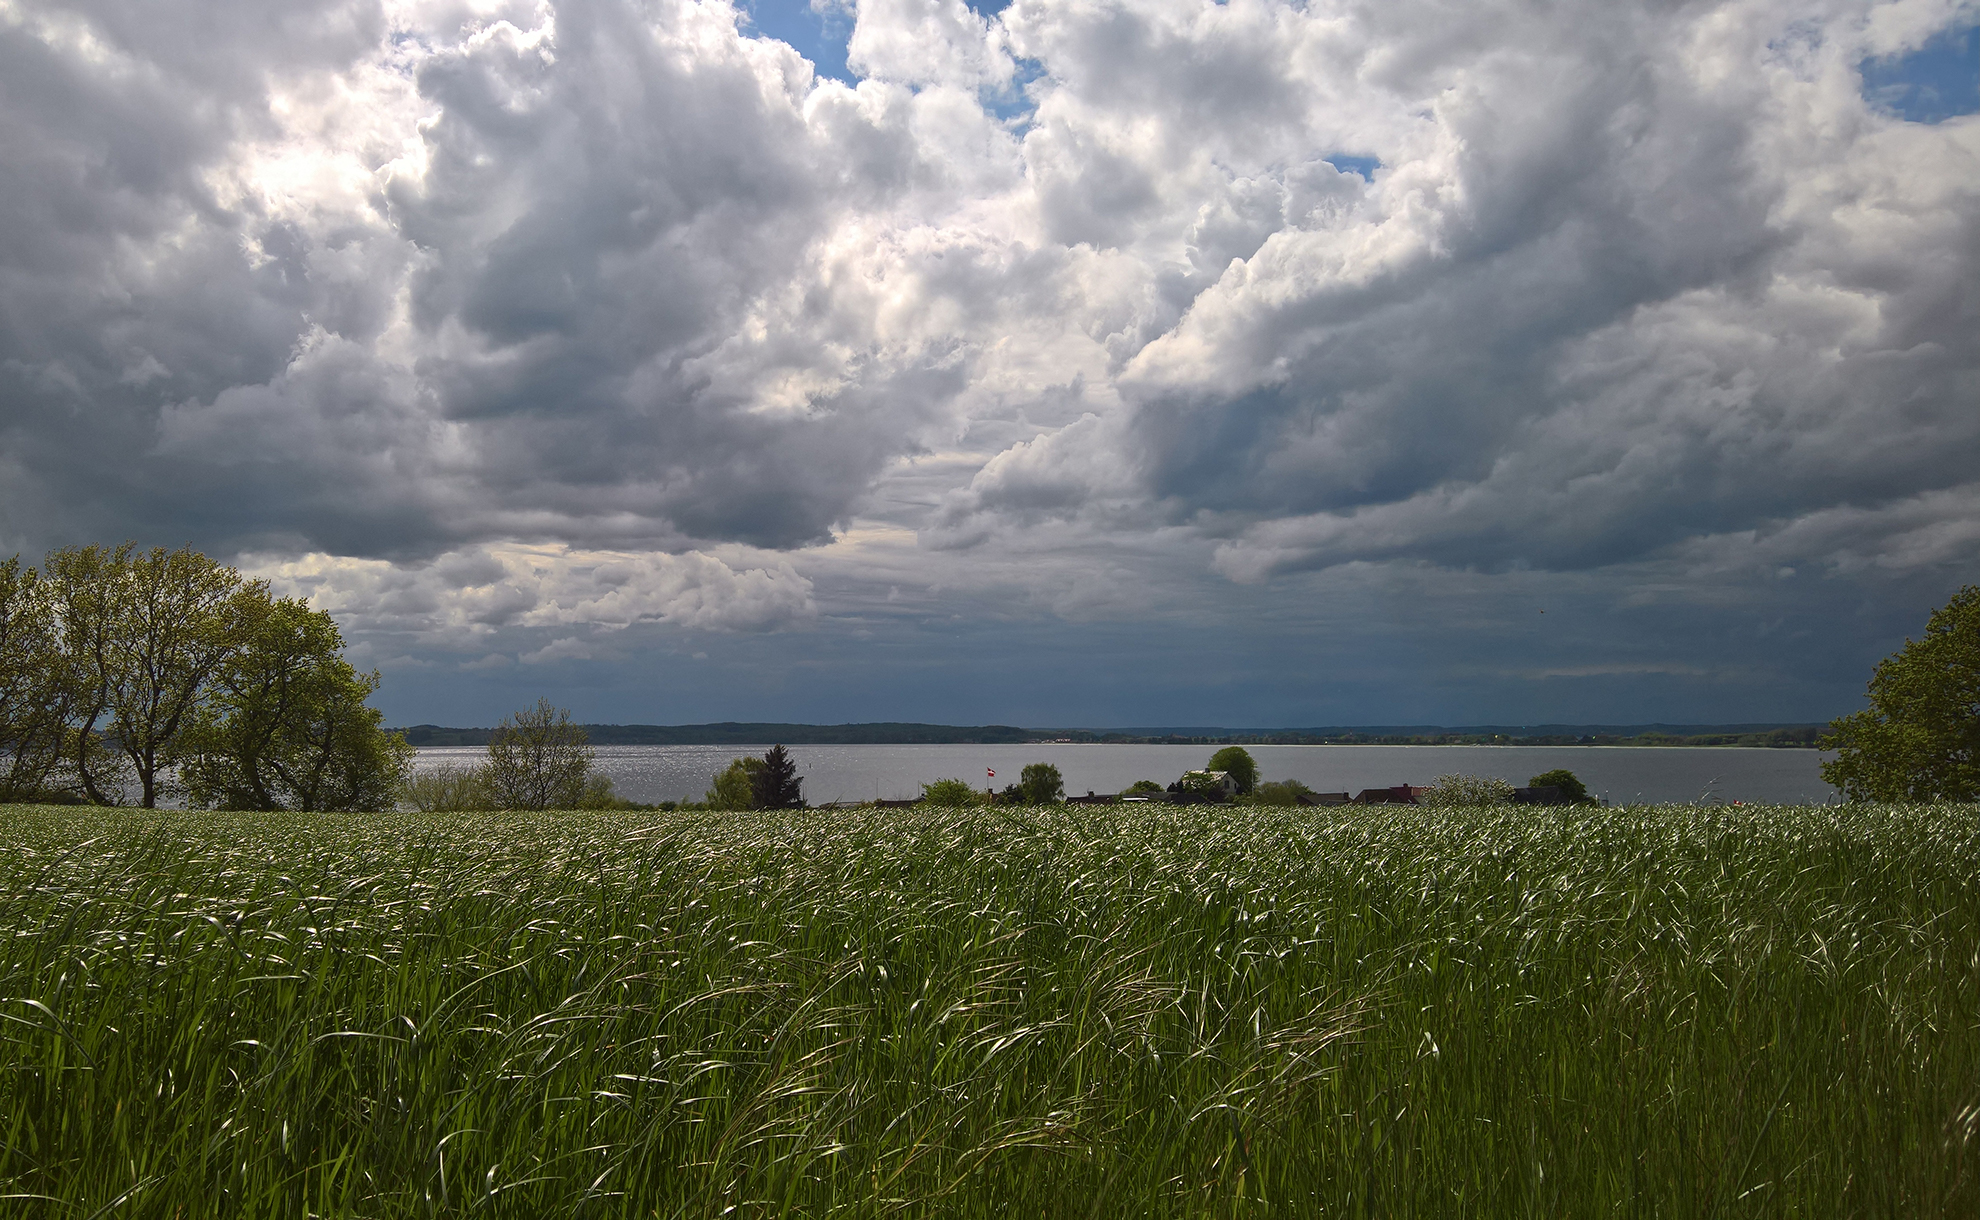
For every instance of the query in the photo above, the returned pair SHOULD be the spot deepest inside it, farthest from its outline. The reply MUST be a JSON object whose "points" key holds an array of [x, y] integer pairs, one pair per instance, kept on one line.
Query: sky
{"points": [[1058, 363]]}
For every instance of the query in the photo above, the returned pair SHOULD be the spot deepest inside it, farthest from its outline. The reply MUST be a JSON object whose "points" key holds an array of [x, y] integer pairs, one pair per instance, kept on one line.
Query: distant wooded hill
{"points": [[732, 733]]}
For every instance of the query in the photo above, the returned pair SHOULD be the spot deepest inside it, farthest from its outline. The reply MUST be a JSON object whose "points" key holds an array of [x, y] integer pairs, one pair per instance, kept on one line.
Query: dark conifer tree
{"points": [[777, 784]]}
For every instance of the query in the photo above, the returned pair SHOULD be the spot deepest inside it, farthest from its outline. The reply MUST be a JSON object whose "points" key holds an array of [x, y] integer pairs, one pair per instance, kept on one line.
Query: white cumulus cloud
{"points": [[541, 320]]}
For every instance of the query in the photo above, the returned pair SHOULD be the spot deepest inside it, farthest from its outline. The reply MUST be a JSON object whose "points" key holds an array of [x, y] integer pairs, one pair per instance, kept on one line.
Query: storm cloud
{"points": [[560, 332]]}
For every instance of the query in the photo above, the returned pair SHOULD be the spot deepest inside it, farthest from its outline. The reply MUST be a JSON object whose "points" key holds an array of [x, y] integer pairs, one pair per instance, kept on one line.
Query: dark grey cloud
{"points": [[519, 321], [131, 278]]}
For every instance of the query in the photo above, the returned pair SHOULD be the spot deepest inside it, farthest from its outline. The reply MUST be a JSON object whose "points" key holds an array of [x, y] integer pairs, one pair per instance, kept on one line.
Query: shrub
{"points": [[1283, 792], [448, 789], [951, 794], [598, 794], [1461, 791], [735, 785]]}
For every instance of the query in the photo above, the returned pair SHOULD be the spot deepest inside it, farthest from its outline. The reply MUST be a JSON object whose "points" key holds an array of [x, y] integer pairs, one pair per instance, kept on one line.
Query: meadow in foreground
{"points": [[1122, 1011]]}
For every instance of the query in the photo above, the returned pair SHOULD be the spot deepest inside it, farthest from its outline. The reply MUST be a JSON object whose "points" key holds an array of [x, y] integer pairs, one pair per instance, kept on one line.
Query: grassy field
{"points": [[1124, 1011]]}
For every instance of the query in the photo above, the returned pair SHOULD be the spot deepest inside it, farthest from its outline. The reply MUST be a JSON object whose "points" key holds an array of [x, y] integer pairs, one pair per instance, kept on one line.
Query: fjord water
{"points": [[1619, 774]]}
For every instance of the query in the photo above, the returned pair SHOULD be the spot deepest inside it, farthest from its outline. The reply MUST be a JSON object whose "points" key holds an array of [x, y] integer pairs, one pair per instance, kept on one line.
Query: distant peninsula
{"points": [[894, 733]]}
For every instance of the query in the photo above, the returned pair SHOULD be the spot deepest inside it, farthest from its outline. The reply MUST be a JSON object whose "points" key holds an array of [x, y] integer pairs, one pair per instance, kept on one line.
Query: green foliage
{"points": [[775, 785], [1919, 740], [80, 583], [34, 691], [1572, 789], [123, 669], [537, 759], [1142, 787], [1202, 783], [951, 794], [287, 725], [1168, 1013], [455, 789], [598, 794], [1281, 793], [1466, 791], [735, 785], [1041, 784], [1236, 762], [448, 789], [145, 631]]}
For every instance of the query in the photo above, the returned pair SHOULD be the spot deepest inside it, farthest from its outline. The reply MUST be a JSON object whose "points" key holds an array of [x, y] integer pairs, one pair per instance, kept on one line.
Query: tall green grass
{"points": [[1113, 1011]]}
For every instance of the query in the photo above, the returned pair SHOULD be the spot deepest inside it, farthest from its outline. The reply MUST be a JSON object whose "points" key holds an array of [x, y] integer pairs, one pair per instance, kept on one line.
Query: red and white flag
{"points": [[993, 774]]}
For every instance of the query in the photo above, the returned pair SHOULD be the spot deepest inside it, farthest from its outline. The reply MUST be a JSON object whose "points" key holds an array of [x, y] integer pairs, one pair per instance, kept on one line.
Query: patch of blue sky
{"points": [[1932, 84], [1349, 164], [1012, 105], [1015, 103], [817, 32], [820, 30]]}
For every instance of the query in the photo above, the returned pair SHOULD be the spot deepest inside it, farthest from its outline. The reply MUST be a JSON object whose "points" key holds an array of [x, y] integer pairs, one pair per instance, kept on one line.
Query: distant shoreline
{"points": [[735, 733]]}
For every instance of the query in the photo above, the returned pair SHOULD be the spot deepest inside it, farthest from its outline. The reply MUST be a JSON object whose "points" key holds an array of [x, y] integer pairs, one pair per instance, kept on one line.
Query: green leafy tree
{"points": [[1041, 783], [288, 725], [1462, 791], [1572, 789], [1142, 787], [776, 784], [735, 785], [78, 583], [345, 759], [538, 759], [951, 794], [1919, 740], [144, 633], [120, 668], [35, 691], [1236, 762]]}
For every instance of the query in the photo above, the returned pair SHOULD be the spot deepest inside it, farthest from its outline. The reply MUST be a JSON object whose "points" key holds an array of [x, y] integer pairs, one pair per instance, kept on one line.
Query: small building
{"points": [[1401, 794], [1324, 798]]}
